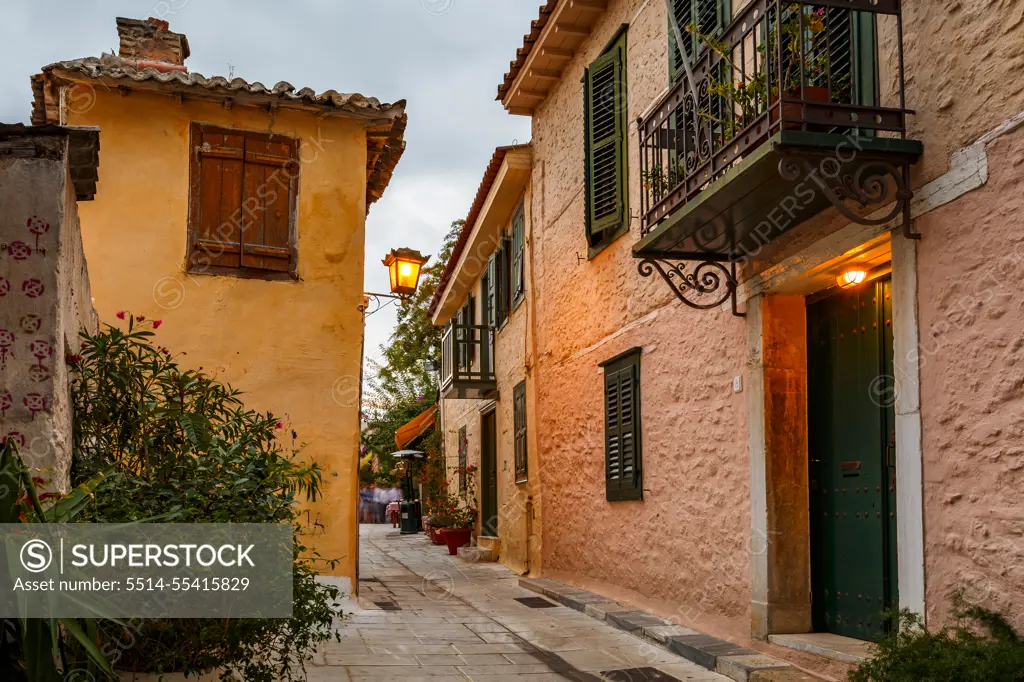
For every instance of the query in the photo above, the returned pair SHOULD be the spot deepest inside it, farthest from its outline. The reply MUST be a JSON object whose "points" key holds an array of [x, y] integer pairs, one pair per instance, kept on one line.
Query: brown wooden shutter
{"points": [[216, 196], [623, 479], [267, 207]]}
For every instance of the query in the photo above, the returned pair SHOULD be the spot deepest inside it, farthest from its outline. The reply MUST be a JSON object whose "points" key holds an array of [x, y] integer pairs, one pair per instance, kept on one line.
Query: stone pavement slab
{"points": [[452, 620]]}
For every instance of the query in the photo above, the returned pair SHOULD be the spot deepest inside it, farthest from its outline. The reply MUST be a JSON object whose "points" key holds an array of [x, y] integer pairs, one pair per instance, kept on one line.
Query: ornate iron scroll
{"points": [[870, 182], [708, 279]]}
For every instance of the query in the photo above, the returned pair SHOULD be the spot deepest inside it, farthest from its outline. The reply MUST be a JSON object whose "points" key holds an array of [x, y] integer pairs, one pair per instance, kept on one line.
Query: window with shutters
{"points": [[519, 429], [466, 316], [503, 283], [518, 251], [622, 453], [463, 458], [605, 113], [243, 188], [710, 17]]}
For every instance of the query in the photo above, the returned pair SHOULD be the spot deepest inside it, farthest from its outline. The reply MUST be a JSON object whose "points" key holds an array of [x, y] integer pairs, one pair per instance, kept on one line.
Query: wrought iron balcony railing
{"points": [[780, 67], [467, 361]]}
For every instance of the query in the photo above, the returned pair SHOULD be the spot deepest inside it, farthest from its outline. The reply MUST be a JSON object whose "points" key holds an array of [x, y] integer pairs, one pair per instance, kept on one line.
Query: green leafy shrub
{"points": [[180, 446], [977, 646]]}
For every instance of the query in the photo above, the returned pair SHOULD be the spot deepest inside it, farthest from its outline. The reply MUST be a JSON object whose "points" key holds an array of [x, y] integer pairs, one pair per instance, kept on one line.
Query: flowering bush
{"points": [[451, 510]]}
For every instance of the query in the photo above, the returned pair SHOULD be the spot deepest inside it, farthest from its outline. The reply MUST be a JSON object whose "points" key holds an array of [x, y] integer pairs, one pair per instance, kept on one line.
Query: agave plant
{"points": [[35, 649]]}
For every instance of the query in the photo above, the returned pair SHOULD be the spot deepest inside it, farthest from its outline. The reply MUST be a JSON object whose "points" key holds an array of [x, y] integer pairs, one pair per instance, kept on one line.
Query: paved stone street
{"points": [[459, 621]]}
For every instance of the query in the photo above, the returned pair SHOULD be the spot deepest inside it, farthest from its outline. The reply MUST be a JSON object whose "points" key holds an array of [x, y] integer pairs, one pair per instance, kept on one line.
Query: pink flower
{"points": [[279, 425], [157, 323], [120, 314]]}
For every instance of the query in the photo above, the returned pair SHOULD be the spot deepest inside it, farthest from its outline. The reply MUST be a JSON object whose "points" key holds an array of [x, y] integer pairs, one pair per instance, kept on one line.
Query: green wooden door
{"points": [[852, 460], [489, 477]]}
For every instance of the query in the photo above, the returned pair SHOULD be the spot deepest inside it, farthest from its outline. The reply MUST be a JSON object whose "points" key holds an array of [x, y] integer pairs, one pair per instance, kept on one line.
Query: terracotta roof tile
{"points": [[536, 26]]}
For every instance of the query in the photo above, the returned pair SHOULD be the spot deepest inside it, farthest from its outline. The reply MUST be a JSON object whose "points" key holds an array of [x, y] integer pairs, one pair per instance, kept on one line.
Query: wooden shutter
{"points": [[491, 291], [519, 428], [710, 16], [472, 335], [243, 192], [518, 249], [267, 207], [460, 335], [216, 198], [623, 480], [503, 284], [605, 143], [463, 458]]}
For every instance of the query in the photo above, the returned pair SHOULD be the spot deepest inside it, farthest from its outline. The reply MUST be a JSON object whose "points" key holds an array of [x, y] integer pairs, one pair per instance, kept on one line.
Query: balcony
{"points": [[784, 113], [467, 362]]}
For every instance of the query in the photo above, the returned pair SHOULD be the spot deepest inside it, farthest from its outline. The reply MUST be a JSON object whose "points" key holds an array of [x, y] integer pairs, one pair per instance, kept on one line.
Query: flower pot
{"points": [[455, 538], [794, 110], [435, 535]]}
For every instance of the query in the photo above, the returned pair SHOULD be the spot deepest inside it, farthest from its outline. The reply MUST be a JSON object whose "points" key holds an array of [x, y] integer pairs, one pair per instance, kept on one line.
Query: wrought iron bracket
{"points": [[870, 182], [710, 280], [374, 302]]}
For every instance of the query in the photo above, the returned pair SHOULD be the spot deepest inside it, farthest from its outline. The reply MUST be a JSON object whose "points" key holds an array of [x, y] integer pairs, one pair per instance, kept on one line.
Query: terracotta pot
{"points": [[813, 93], [455, 538], [435, 535]]}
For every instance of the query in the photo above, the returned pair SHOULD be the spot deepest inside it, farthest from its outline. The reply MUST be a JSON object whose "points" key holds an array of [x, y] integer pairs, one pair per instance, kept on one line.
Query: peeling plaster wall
{"points": [[970, 268], [45, 302], [292, 347]]}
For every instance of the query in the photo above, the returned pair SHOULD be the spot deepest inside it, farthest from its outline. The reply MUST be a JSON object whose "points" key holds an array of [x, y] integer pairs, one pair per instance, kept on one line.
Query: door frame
{"points": [[488, 470], [777, 413], [883, 464]]}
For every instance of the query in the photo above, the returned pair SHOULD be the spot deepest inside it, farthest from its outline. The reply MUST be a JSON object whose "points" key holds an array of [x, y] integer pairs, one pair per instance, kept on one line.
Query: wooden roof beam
{"points": [[557, 53], [566, 29], [545, 74], [589, 5]]}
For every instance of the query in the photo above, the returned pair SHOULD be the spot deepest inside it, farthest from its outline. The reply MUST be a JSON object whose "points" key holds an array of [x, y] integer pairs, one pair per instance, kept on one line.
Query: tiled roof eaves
{"points": [[516, 65], [474, 212]]}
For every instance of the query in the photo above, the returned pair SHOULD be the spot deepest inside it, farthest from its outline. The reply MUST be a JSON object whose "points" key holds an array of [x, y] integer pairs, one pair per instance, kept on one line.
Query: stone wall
{"points": [[45, 302], [685, 550]]}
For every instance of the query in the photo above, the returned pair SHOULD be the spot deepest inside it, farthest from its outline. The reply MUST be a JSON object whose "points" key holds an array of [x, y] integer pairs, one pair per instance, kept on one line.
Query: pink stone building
{"points": [[715, 429]]}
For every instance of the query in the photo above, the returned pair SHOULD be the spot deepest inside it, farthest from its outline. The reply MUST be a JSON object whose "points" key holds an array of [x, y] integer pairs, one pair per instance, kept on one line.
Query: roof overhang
{"points": [[553, 41], [83, 151], [499, 204], [385, 123]]}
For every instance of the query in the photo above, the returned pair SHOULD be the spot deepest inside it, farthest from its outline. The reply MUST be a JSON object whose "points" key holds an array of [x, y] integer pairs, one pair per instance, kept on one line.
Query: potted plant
{"points": [[746, 97], [457, 513], [433, 527]]}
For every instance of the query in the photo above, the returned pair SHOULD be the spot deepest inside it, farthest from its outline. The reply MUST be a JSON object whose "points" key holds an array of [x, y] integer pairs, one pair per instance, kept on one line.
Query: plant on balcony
{"points": [[658, 181], [746, 98], [977, 646]]}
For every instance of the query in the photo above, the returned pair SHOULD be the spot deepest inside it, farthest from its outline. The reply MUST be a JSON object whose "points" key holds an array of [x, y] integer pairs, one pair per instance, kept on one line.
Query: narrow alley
{"points": [[427, 616]]}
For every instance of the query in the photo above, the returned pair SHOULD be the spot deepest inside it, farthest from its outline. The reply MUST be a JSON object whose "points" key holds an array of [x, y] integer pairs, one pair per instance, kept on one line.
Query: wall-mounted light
{"points": [[851, 277], [404, 266]]}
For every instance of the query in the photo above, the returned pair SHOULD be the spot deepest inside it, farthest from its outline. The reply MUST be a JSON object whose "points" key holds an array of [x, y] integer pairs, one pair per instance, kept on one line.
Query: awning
{"points": [[407, 433]]}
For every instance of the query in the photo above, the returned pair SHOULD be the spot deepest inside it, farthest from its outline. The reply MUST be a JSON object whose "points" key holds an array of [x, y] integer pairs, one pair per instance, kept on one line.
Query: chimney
{"points": [[150, 40]]}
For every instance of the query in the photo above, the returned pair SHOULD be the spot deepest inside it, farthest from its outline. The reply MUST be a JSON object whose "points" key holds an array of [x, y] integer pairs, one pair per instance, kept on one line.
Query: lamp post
{"points": [[404, 267]]}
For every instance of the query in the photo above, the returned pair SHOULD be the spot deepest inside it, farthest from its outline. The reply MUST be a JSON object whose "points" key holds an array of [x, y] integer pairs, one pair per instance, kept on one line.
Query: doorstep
{"points": [[733, 661], [835, 647]]}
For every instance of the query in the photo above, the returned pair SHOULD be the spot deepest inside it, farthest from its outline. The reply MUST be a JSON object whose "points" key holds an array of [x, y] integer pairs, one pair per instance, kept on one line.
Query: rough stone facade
{"points": [[45, 299], [686, 550], [518, 504]]}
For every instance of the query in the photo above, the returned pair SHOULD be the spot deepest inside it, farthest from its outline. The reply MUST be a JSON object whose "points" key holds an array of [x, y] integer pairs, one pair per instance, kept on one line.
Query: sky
{"points": [[445, 57]]}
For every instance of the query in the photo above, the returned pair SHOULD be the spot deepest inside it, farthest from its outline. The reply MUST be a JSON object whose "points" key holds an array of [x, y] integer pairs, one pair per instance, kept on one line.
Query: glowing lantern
{"points": [[404, 266], [850, 278]]}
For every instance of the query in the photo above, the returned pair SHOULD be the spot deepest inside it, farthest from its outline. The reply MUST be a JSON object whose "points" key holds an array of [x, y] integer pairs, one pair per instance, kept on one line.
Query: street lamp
{"points": [[404, 266]]}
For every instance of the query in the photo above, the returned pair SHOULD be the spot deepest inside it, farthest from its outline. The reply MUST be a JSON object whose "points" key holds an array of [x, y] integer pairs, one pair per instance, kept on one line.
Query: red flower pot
{"points": [[455, 538], [794, 110], [435, 535]]}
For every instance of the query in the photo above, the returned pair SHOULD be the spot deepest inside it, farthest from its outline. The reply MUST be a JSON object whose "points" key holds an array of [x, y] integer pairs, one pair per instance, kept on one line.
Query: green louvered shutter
{"points": [[491, 291], [710, 16], [623, 480], [605, 143], [518, 247]]}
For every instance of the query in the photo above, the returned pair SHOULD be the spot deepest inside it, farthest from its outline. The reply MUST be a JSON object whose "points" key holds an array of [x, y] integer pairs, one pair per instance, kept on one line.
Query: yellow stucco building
{"points": [[235, 213]]}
